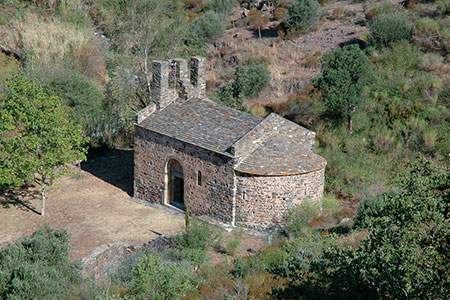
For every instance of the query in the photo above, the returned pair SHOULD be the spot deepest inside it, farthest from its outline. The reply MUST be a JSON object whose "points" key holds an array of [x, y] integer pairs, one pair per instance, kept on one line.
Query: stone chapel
{"points": [[238, 168]]}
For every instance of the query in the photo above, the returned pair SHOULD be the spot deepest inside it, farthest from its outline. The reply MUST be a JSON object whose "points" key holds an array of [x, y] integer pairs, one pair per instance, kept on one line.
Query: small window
{"points": [[199, 178]]}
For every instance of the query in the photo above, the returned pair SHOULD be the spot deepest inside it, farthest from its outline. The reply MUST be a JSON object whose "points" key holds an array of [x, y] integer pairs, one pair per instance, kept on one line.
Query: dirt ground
{"points": [[95, 206]]}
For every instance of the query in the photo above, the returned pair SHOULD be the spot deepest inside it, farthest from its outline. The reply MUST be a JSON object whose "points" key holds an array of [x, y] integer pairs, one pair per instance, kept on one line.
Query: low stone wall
{"points": [[263, 201], [213, 197]]}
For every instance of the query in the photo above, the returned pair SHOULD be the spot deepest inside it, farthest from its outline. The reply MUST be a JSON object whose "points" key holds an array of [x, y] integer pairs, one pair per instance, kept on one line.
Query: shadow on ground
{"points": [[20, 197], [113, 166]]}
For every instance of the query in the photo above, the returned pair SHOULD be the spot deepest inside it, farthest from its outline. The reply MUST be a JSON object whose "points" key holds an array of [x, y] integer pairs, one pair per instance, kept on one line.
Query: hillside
{"points": [[370, 78]]}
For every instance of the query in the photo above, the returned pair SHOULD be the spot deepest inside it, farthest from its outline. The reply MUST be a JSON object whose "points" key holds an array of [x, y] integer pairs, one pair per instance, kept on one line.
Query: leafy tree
{"points": [[302, 15], [37, 136], [206, 29], [406, 255], [84, 98], [145, 30], [257, 20], [345, 72], [38, 267], [250, 79]]}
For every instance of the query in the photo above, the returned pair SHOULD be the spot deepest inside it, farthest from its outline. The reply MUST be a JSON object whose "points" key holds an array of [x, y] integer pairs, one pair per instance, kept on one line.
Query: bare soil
{"points": [[95, 205]]}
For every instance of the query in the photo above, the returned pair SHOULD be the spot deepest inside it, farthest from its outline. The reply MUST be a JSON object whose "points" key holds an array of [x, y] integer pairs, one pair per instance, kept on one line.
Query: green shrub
{"points": [[155, 278], [195, 241], [330, 203], [302, 15], [272, 258], [249, 80], [38, 267], [207, 28], [301, 256], [223, 7], [84, 98], [443, 7], [378, 9], [232, 246], [389, 28], [405, 256], [299, 217], [432, 35], [225, 96]]}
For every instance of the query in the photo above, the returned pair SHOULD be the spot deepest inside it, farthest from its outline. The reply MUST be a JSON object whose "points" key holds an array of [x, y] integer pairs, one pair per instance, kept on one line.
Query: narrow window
{"points": [[199, 178]]}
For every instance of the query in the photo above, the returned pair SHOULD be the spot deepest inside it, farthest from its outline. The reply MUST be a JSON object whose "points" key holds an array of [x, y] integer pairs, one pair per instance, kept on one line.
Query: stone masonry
{"points": [[241, 169]]}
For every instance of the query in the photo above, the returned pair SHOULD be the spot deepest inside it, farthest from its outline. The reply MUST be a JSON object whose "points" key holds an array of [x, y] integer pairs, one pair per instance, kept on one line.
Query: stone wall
{"points": [[263, 201], [173, 79], [215, 195]]}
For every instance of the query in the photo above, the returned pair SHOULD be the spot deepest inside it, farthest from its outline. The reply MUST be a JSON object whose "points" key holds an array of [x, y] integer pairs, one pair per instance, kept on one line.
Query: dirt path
{"points": [[94, 211]]}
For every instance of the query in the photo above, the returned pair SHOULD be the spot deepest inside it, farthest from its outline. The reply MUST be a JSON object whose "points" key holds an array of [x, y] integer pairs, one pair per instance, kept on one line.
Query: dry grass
{"points": [[293, 63], [49, 41]]}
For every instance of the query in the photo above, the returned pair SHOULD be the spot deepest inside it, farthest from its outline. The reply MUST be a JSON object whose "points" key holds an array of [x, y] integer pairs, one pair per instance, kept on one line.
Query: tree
{"points": [[146, 30], [250, 79], [302, 15], [206, 29], [345, 73], [37, 136], [257, 20], [407, 253]]}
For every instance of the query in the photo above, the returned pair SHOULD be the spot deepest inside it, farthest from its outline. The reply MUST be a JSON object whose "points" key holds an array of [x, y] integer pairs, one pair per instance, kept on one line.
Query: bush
{"points": [[379, 8], [432, 35], [299, 217], [232, 246], [302, 15], [223, 7], [195, 241], [405, 255], [206, 29], [250, 79], [443, 7], [38, 267], [389, 28], [84, 98], [155, 278]]}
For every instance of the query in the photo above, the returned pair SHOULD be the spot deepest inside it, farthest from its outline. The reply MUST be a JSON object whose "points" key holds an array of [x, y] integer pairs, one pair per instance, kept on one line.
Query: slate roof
{"points": [[201, 122], [272, 146], [285, 150]]}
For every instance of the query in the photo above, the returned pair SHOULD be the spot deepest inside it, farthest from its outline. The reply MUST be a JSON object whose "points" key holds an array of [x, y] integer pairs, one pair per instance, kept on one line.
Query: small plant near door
{"points": [[186, 217], [197, 238]]}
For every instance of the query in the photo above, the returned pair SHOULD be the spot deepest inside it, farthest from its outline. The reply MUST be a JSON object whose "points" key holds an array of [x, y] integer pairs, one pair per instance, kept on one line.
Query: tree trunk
{"points": [[350, 124], [351, 110], [43, 199], [259, 31], [147, 76]]}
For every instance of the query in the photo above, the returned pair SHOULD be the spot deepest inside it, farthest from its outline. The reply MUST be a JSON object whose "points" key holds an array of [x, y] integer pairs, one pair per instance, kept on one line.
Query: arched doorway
{"points": [[175, 184]]}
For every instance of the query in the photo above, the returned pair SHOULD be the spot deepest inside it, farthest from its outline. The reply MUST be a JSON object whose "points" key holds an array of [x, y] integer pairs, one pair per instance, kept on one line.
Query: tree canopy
{"points": [[37, 136], [345, 72]]}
